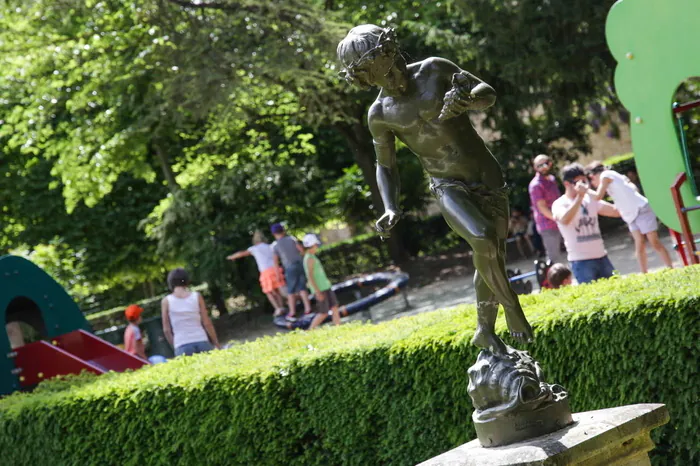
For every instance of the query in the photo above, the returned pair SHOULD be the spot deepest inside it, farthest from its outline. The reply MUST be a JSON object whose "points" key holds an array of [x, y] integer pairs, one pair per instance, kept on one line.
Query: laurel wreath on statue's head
{"points": [[386, 46]]}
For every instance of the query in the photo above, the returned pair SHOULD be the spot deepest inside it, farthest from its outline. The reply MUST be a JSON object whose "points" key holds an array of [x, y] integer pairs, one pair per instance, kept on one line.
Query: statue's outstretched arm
{"points": [[388, 180]]}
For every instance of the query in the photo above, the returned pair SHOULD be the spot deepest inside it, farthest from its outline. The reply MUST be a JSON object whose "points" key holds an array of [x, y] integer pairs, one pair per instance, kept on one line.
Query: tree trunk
{"points": [[359, 140], [168, 173], [218, 297]]}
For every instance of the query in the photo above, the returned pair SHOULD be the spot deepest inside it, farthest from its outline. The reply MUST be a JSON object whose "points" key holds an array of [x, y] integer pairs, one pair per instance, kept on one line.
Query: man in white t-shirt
{"points": [[576, 214], [634, 209]]}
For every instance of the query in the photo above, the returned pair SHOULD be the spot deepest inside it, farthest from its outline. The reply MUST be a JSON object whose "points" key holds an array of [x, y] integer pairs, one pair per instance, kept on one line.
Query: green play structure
{"points": [[29, 295], [45, 333], [657, 46]]}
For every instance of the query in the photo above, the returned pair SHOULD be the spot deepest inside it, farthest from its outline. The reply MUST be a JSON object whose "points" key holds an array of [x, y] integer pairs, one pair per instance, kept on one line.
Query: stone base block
{"points": [[610, 437], [522, 426]]}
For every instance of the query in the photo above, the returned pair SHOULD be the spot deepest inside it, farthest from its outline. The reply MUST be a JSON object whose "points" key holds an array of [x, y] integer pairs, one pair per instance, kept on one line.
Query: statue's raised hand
{"points": [[387, 221], [459, 98]]}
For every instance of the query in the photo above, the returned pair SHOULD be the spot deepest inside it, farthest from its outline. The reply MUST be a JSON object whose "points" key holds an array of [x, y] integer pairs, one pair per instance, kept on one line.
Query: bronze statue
{"points": [[425, 105]]}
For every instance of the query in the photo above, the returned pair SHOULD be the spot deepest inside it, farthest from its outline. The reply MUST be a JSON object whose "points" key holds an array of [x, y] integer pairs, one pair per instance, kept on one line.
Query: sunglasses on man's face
{"points": [[543, 164]]}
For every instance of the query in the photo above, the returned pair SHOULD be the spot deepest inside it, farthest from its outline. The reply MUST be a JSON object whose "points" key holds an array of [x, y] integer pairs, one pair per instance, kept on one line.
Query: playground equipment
{"points": [[394, 283], [680, 110], [655, 45], [517, 279], [30, 300], [685, 242]]}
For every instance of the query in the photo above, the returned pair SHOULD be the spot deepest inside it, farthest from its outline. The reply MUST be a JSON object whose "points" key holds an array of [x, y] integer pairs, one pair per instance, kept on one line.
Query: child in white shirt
{"points": [[634, 210]]}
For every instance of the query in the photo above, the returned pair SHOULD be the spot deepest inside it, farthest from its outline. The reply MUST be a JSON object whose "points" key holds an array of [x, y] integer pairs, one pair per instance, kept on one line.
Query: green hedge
{"points": [[393, 393], [621, 163]]}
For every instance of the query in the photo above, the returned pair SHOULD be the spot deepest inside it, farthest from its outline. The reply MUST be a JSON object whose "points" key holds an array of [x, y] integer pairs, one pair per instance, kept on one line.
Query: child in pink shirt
{"points": [[133, 342]]}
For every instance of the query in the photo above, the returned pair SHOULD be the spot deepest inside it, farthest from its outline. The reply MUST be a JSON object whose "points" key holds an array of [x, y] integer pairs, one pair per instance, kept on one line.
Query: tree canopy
{"points": [[140, 134]]}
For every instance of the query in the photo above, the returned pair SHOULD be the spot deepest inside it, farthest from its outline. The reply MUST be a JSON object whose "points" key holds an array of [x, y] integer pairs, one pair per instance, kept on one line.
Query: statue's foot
{"points": [[490, 341], [519, 327]]}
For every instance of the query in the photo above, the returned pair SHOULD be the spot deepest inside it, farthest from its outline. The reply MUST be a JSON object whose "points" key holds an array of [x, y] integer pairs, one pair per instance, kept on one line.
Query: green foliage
{"points": [[107, 102], [163, 110], [365, 255], [233, 188], [350, 197], [621, 163], [370, 394], [109, 87], [80, 248]]}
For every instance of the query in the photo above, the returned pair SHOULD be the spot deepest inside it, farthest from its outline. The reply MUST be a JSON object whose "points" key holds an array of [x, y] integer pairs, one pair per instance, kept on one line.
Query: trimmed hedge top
{"points": [[369, 394]]}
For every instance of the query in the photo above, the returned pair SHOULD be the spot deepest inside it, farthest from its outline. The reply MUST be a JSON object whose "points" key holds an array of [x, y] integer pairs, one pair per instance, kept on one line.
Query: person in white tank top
{"points": [[186, 322], [634, 210]]}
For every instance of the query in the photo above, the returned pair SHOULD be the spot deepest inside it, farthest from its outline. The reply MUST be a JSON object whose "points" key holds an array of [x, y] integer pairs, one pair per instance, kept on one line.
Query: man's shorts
{"points": [[330, 301], [296, 277], [645, 222], [586, 271], [271, 279]]}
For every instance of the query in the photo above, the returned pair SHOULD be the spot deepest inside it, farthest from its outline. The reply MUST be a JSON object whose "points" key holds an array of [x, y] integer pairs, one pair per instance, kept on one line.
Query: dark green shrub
{"points": [[394, 393], [621, 163], [368, 253], [361, 254]]}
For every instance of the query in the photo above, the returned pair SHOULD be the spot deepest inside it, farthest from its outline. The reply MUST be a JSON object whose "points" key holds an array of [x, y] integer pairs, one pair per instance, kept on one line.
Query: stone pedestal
{"points": [[610, 437]]}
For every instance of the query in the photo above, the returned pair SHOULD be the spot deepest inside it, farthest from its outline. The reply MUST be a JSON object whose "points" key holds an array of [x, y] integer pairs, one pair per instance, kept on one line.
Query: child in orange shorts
{"points": [[271, 277]]}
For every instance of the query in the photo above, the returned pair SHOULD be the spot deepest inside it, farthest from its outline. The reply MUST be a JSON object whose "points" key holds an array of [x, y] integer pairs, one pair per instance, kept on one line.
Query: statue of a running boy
{"points": [[425, 105]]}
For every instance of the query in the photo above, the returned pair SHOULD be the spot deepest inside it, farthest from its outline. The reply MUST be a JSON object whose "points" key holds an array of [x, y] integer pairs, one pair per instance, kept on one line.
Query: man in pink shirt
{"points": [[544, 191]]}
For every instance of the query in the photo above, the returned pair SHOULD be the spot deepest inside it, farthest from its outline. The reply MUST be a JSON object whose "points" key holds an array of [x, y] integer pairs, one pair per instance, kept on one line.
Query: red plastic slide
{"points": [[71, 353]]}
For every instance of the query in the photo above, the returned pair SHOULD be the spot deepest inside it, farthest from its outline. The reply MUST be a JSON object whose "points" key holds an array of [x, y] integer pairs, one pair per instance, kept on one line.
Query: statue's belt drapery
{"points": [[494, 201]]}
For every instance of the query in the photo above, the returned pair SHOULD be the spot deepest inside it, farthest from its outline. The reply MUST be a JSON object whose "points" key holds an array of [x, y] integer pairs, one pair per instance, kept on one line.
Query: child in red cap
{"points": [[133, 342]]}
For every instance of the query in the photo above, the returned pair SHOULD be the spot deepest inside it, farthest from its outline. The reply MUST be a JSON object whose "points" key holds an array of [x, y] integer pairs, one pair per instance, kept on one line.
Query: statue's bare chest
{"points": [[410, 113]]}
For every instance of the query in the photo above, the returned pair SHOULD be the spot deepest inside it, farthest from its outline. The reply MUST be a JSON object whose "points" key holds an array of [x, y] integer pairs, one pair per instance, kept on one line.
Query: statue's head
{"points": [[371, 57]]}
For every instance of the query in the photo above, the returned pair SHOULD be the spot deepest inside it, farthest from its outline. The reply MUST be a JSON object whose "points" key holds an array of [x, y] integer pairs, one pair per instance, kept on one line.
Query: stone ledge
{"points": [[613, 436]]}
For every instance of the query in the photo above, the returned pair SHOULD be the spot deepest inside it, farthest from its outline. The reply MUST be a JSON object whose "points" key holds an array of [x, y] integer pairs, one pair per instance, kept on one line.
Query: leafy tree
{"points": [[100, 90], [202, 114], [251, 165], [107, 87], [83, 242]]}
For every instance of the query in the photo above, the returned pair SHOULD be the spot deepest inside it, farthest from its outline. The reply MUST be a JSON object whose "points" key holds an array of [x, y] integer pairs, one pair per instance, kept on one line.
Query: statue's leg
{"points": [[515, 317], [487, 311], [486, 236]]}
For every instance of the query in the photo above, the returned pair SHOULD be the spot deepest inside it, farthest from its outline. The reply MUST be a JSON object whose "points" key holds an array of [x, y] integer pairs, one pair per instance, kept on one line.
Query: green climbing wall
{"points": [[657, 46]]}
